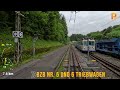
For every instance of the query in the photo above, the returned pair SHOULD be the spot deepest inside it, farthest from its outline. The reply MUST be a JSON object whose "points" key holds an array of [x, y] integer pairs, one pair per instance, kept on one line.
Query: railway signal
{"points": [[17, 34]]}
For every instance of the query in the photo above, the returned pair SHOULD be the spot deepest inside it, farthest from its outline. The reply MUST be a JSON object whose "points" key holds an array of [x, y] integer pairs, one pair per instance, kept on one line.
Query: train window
{"points": [[85, 43], [81, 43], [91, 43], [97, 45], [116, 49]]}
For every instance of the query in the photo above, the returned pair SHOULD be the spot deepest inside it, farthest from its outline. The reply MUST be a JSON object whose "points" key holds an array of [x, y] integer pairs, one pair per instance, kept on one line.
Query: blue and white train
{"points": [[86, 44]]}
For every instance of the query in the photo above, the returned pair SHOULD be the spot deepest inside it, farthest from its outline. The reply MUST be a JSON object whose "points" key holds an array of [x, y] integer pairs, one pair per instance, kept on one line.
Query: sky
{"points": [[89, 21]]}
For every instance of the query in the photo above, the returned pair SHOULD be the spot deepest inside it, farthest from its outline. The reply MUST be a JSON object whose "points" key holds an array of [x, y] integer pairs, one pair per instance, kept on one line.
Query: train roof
{"points": [[109, 40]]}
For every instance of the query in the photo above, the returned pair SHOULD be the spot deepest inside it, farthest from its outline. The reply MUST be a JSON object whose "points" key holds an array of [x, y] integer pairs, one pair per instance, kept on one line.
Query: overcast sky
{"points": [[89, 21]]}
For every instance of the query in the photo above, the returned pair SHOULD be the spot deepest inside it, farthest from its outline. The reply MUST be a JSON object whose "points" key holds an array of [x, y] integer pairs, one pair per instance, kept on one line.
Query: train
{"points": [[108, 46], [111, 46], [86, 44]]}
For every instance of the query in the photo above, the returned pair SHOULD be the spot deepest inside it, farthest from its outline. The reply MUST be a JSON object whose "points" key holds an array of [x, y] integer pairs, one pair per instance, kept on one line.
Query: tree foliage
{"points": [[108, 33], [115, 33], [48, 25], [76, 37], [95, 35]]}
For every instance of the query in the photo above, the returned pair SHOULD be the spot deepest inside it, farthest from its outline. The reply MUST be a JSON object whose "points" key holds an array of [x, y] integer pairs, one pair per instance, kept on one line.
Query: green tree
{"points": [[49, 25]]}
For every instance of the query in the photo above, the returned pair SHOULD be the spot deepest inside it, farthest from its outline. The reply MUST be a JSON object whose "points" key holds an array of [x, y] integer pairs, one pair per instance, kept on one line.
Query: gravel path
{"points": [[47, 63]]}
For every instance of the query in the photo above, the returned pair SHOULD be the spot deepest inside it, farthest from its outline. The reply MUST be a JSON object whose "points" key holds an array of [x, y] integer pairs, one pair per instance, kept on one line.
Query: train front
{"points": [[88, 44]]}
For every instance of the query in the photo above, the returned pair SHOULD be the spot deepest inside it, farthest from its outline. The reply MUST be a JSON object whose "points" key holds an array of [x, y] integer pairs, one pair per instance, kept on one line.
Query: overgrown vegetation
{"points": [[49, 26]]}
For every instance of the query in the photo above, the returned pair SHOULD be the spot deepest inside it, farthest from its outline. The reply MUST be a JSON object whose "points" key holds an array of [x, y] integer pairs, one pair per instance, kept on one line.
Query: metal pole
{"points": [[17, 28], [34, 40], [88, 47], [18, 48], [35, 37], [20, 45], [33, 46], [18, 38]]}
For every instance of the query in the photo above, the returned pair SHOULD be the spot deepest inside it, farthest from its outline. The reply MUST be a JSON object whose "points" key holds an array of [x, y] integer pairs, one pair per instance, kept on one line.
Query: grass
{"points": [[42, 47], [36, 57], [27, 42]]}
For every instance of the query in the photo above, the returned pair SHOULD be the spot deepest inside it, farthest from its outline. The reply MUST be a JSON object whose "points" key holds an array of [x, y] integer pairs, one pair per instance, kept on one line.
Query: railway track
{"points": [[73, 63], [60, 62], [78, 67], [115, 69], [91, 70]]}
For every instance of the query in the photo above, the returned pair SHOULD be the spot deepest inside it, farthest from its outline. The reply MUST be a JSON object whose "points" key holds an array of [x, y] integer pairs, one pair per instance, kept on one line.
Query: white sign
{"points": [[17, 34], [20, 34]]}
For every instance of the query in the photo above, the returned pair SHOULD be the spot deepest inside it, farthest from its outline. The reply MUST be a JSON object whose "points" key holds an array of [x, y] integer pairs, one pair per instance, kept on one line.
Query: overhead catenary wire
{"points": [[84, 25], [100, 19], [70, 17], [74, 20], [109, 22], [106, 23], [75, 16]]}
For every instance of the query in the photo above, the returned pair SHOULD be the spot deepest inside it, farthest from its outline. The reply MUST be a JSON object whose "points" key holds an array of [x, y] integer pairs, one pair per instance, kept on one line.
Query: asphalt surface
{"points": [[46, 64]]}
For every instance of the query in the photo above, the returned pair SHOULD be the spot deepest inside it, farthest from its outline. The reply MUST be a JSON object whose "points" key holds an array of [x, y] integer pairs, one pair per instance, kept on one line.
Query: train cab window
{"points": [[91, 43], [85, 43], [81, 43]]}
